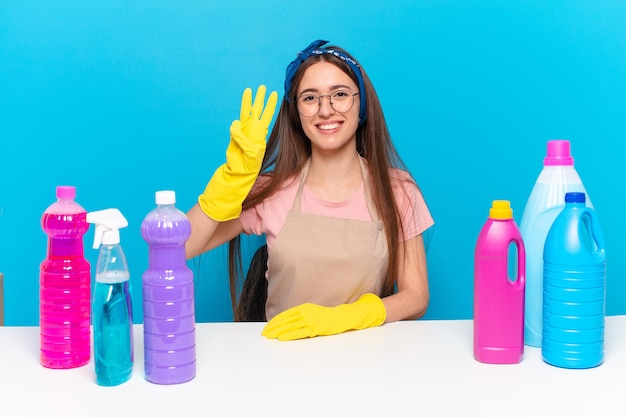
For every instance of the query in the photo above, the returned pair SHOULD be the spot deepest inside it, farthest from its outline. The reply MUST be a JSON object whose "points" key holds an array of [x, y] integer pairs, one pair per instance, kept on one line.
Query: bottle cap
{"points": [[558, 153], [166, 197], [67, 192], [108, 222], [501, 210], [574, 197]]}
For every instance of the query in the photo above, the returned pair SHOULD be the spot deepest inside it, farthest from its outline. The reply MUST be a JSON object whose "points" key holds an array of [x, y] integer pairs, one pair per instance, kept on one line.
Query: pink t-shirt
{"points": [[269, 216]]}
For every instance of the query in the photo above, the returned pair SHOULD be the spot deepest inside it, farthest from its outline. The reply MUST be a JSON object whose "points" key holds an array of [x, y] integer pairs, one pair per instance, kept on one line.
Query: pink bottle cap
{"points": [[558, 153], [67, 192]]}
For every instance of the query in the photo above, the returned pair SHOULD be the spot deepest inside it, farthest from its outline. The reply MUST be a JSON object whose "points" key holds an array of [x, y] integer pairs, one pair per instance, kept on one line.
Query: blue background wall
{"points": [[123, 98]]}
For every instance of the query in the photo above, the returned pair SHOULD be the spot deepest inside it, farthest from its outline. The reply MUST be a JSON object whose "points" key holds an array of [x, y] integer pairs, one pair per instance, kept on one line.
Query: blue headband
{"points": [[314, 49]]}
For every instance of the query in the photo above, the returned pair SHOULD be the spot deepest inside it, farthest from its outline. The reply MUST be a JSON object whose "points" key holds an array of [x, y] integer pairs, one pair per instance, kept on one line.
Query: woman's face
{"points": [[329, 129]]}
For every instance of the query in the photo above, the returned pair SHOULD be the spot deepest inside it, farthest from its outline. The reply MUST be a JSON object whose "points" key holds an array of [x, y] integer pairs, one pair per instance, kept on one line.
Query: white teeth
{"points": [[329, 127]]}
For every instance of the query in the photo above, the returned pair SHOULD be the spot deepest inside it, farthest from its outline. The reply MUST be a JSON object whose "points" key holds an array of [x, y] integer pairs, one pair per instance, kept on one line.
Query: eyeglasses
{"points": [[341, 101]]}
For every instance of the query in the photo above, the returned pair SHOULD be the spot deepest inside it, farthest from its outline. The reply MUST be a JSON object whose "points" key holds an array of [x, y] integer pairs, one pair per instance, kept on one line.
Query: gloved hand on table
{"points": [[310, 320], [231, 182]]}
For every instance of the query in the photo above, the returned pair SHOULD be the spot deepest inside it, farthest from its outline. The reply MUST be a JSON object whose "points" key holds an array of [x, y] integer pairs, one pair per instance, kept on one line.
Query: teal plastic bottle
{"points": [[545, 202], [112, 303], [574, 288]]}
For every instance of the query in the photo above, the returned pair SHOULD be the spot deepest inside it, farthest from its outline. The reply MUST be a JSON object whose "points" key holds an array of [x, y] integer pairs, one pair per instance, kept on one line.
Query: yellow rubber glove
{"points": [[232, 181], [310, 320]]}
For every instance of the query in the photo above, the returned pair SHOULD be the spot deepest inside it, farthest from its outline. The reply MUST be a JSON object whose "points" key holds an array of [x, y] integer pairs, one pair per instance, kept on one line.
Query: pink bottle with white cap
{"points": [[546, 201], [499, 264]]}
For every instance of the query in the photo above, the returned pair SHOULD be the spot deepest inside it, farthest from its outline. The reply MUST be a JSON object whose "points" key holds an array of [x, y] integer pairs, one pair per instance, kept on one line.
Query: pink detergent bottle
{"points": [[65, 285], [499, 285]]}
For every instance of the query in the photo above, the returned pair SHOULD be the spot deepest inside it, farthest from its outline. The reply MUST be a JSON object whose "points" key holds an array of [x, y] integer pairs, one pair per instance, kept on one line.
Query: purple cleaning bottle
{"points": [[168, 295], [65, 285], [499, 281]]}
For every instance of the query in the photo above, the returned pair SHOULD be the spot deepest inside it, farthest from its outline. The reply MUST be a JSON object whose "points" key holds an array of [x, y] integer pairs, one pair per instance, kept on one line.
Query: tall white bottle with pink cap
{"points": [[546, 201]]}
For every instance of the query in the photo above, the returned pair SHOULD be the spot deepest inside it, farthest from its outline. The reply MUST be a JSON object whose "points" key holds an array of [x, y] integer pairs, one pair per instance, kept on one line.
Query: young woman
{"points": [[343, 218]]}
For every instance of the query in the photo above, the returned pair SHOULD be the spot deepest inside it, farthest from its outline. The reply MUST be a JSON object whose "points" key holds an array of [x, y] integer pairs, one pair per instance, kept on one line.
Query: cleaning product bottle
{"points": [[112, 305], [546, 200], [168, 295], [574, 267], [65, 285], [499, 282]]}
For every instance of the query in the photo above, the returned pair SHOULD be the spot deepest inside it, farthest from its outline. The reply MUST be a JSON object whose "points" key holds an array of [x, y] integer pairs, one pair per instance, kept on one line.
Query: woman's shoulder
{"points": [[286, 187], [401, 178], [404, 186], [266, 180], [268, 215], [411, 203]]}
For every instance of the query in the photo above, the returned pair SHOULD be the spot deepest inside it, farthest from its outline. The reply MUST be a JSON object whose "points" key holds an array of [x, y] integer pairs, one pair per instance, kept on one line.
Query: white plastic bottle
{"points": [[546, 201], [112, 305]]}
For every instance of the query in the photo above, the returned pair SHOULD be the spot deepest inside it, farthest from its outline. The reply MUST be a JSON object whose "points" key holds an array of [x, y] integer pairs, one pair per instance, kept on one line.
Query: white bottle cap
{"points": [[165, 197]]}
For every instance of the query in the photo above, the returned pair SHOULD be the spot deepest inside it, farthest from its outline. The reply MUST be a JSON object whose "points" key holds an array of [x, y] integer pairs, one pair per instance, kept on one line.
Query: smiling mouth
{"points": [[330, 126]]}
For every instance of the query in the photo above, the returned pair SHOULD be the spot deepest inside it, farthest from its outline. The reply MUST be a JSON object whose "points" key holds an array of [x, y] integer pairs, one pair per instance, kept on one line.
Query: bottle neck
{"points": [[65, 248], [166, 257]]}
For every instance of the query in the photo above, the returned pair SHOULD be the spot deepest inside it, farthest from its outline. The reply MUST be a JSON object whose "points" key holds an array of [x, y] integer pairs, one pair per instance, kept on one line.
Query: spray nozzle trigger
{"points": [[108, 222]]}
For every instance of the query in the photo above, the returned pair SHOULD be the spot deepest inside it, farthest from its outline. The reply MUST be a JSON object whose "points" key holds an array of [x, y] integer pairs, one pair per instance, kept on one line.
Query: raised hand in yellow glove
{"points": [[310, 320], [232, 181]]}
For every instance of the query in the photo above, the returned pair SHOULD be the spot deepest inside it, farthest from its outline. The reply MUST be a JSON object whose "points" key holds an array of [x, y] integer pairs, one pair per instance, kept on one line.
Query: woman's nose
{"points": [[326, 107]]}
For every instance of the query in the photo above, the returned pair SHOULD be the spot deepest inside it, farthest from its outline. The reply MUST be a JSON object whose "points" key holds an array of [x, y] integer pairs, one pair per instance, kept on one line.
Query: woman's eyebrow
{"points": [[332, 88]]}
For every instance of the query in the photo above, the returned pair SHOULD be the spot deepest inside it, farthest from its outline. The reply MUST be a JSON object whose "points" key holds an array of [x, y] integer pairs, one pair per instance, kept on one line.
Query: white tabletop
{"points": [[416, 368]]}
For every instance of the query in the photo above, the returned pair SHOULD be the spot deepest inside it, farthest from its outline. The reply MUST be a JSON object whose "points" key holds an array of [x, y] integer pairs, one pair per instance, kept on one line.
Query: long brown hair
{"points": [[287, 151]]}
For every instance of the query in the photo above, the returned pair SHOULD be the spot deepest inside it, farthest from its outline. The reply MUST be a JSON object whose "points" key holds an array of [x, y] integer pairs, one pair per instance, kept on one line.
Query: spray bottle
{"points": [[112, 307]]}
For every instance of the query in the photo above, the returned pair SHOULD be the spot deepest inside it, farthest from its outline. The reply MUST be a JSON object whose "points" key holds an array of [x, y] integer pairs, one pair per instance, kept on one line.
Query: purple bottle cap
{"points": [[67, 192], [558, 153]]}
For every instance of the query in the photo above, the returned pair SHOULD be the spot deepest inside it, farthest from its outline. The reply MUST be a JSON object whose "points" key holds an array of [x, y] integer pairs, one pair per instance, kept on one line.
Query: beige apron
{"points": [[325, 260]]}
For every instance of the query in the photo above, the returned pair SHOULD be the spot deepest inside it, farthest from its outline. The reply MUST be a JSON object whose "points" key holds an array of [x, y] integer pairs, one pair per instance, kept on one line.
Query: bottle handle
{"points": [[591, 233], [520, 282]]}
